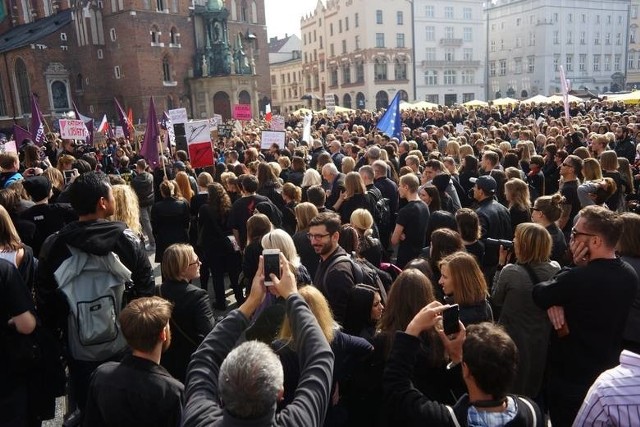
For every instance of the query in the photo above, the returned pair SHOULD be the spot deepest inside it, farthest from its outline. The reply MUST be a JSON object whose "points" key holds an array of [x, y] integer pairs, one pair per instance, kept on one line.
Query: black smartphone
{"points": [[271, 265], [451, 319]]}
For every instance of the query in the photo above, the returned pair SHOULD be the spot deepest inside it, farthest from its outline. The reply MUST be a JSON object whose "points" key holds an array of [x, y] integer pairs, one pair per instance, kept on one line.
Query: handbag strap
{"points": [[174, 324], [532, 275]]}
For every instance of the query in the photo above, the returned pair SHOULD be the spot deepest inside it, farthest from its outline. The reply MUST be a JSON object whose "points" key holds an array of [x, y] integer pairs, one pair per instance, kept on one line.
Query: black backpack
{"points": [[362, 274], [381, 209]]}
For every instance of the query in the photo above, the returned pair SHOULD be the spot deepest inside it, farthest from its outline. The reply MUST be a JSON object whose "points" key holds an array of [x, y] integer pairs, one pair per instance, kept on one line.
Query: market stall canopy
{"points": [[501, 102], [475, 103], [538, 99]]}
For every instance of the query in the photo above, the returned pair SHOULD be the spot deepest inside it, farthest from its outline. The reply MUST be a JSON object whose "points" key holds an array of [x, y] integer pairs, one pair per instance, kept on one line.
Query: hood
{"points": [[98, 237]]}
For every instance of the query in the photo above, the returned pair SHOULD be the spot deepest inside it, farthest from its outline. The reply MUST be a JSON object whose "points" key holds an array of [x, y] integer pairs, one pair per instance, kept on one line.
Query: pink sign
{"points": [[242, 112]]}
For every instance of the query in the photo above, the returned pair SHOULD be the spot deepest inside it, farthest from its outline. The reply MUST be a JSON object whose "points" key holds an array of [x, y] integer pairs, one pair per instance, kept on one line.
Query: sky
{"points": [[283, 16]]}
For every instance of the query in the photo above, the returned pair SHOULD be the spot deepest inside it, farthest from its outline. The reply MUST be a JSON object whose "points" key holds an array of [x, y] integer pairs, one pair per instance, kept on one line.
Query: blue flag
{"points": [[391, 122]]}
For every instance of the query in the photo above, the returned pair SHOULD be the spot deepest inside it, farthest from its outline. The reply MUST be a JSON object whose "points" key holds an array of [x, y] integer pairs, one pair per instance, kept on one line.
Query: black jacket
{"points": [[97, 237], [191, 321], [202, 404], [48, 218], [170, 222], [495, 223], [142, 184], [133, 393], [335, 280]]}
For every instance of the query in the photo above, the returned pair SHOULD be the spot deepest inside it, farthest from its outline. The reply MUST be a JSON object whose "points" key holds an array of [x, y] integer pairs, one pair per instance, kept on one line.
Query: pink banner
{"points": [[242, 112]]}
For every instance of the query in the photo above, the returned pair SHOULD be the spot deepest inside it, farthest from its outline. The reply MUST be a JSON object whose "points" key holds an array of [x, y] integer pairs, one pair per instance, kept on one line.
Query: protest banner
{"points": [[242, 112], [178, 115], [270, 137], [72, 129], [199, 143]]}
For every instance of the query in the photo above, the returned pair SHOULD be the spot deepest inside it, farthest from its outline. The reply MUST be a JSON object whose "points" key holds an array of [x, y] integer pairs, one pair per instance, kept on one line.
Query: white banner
{"points": [[179, 115], [72, 129], [270, 137]]}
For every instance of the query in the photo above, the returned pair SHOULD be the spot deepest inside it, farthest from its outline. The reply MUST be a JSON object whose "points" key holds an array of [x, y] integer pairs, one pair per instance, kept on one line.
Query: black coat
{"points": [[191, 321], [170, 222]]}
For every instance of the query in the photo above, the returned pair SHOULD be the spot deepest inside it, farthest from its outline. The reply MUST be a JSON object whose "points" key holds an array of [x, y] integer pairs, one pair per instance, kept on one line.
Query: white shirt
{"points": [[614, 398]]}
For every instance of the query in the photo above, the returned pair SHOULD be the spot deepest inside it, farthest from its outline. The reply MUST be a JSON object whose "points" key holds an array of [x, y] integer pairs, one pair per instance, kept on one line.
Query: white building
{"points": [[633, 54], [450, 50], [358, 50], [285, 63], [530, 39]]}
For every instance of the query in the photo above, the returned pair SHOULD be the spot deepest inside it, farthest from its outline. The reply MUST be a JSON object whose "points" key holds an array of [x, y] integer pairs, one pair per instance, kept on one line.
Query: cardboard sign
{"points": [[270, 137], [277, 123], [179, 115], [8, 147], [119, 132], [214, 122], [225, 130], [199, 143], [72, 129], [242, 112], [330, 103], [459, 128]]}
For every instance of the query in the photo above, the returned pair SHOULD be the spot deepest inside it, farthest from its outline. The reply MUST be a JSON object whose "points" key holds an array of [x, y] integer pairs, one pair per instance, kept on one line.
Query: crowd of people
{"points": [[525, 225]]}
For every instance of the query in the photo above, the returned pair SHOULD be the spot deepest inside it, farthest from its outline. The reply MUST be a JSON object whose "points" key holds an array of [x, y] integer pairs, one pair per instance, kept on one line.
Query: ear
{"points": [[281, 395]]}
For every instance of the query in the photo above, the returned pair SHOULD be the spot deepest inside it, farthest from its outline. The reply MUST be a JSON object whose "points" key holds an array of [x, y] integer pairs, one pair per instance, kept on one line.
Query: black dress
{"points": [[170, 222]]}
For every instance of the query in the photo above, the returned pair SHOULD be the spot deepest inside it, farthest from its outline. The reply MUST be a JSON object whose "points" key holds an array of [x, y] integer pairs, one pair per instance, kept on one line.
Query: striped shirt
{"points": [[614, 399]]}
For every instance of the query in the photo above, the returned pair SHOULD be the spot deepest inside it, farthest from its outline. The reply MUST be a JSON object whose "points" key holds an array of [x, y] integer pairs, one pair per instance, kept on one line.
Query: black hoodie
{"points": [[98, 237]]}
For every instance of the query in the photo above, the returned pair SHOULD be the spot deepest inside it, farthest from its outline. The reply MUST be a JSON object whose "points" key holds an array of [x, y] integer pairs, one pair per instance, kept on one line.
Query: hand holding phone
{"points": [[271, 265], [451, 320]]}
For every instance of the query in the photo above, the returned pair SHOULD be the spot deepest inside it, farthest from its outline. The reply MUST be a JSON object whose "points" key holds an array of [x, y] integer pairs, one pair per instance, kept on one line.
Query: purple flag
{"points": [[19, 135], [122, 117], [37, 123], [149, 149]]}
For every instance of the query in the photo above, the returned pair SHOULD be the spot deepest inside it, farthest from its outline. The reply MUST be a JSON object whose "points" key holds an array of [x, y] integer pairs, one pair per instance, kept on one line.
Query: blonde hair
{"points": [[609, 161], [319, 307], [532, 243], [305, 212], [353, 185], [184, 185], [466, 150], [292, 191], [348, 164], [311, 177], [591, 170], [55, 177], [204, 179], [65, 160], [9, 238], [175, 261], [127, 207], [280, 239], [470, 286], [362, 221], [518, 191]]}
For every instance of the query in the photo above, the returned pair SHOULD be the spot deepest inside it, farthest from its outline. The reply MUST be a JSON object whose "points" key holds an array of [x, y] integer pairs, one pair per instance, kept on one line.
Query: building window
{"points": [[596, 62], [333, 77], [556, 62], [596, 38], [359, 72], [503, 67], [346, 101], [618, 39], [448, 12], [379, 39], [556, 37], [607, 39], [63, 37], [340, 26], [466, 13], [430, 11], [59, 95], [492, 46], [166, 70], [517, 65], [430, 32], [346, 73], [631, 60], [100, 54], [607, 63], [632, 36], [467, 54], [467, 34], [344, 47], [449, 54], [356, 21], [79, 83], [357, 42], [466, 97], [431, 78], [380, 69], [112, 34], [116, 72], [430, 54], [155, 36], [532, 39], [331, 29], [449, 32], [583, 37], [273, 79], [569, 37], [434, 99], [449, 77], [492, 68], [400, 40], [400, 18], [160, 6], [569, 61], [400, 70], [582, 66], [346, 23], [468, 77], [382, 100], [531, 64], [617, 58], [22, 83], [174, 37], [378, 16]]}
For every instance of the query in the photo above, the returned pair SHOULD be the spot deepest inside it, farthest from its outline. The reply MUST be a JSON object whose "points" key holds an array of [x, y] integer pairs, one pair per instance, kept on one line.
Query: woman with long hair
{"points": [[546, 211], [310, 178], [430, 195], [370, 248], [220, 249], [191, 318], [127, 209], [353, 197], [526, 323], [169, 219], [13, 250], [184, 186], [291, 195], [348, 350], [364, 311], [257, 226], [517, 193], [56, 179], [444, 242], [468, 169], [198, 200], [464, 284], [305, 212], [609, 165], [269, 185]]}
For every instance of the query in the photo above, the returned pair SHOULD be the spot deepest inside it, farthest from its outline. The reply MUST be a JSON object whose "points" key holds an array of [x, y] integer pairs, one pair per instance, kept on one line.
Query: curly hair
{"points": [[127, 208], [219, 200]]}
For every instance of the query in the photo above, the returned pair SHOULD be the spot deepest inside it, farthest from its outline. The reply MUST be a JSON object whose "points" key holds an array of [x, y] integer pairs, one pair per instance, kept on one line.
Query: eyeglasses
{"points": [[196, 262], [317, 236], [533, 209], [575, 233], [569, 165]]}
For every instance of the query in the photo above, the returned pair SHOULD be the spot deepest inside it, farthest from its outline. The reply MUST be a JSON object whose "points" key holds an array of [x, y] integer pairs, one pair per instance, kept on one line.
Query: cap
{"points": [[179, 165], [38, 187], [486, 183]]}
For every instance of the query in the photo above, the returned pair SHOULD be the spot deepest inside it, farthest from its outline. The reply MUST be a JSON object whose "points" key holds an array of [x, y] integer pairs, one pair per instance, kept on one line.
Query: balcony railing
{"points": [[454, 64]]}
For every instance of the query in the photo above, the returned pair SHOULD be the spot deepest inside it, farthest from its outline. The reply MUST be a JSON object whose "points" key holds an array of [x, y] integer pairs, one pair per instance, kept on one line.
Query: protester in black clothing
{"points": [[169, 219], [411, 224], [588, 306], [570, 170], [546, 211], [243, 208], [624, 146]]}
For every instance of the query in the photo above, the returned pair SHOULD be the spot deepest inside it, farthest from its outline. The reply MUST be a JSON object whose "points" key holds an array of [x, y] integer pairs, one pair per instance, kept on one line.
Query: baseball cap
{"points": [[486, 183]]}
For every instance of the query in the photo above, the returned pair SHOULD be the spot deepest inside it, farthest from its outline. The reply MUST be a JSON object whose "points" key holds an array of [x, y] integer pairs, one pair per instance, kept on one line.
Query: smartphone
{"points": [[451, 319], [69, 174], [271, 259]]}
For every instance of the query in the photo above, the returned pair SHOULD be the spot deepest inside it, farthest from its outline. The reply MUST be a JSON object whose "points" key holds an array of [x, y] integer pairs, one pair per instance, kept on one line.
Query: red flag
{"points": [[149, 149], [104, 125], [267, 110], [130, 119]]}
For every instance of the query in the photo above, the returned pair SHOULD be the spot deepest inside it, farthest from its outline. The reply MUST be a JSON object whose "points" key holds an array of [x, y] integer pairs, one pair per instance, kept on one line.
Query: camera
{"points": [[507, 244]]}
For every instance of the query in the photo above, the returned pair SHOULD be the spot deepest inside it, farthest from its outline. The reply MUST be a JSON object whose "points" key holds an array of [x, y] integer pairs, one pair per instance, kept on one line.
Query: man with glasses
{"points": [[334, 277], [569, 171], [588, 306]]}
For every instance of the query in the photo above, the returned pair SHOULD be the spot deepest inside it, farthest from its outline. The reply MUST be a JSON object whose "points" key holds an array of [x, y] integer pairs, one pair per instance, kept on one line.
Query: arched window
{"points": [[169, 103], [155, 35], [400, 70], [174, 36], [380, 69], [346, 73], [254, 13], [234, 10], [346, 101], [360, 100], [244, 97], [22, 86], [382, 100], [244, 12], [166, 70], [404, 96], [79, 82], [59, 95]]}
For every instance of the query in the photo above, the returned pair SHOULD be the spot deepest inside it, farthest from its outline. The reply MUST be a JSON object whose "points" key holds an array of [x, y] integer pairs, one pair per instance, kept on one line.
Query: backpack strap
{"points": [[334, 262], [173, 323], [453, 416], [528, 404], [532, 275]]}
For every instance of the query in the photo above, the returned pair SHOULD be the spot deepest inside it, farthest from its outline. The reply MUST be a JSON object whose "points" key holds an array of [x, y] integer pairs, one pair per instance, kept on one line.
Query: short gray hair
{"points": [[330, 168], [250, 379]]}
